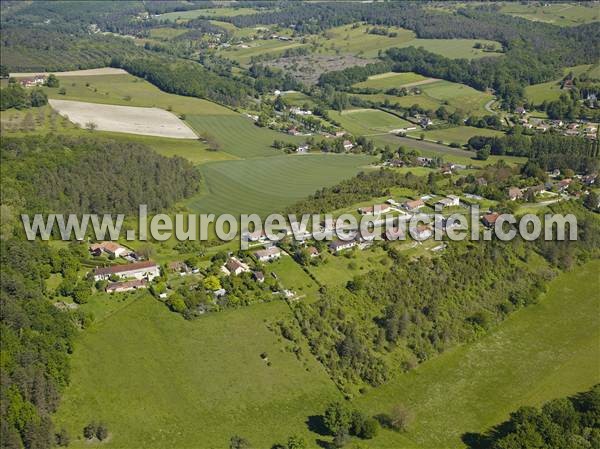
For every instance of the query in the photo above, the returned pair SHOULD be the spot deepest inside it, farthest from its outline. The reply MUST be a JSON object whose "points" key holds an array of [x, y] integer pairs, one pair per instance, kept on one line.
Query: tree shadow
{"points": [[315, 424], [474, 440]]}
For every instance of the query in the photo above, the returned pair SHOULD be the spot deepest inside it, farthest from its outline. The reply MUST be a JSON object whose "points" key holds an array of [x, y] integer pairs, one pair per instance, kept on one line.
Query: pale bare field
{"points": [[88, 72], [124, 119]]}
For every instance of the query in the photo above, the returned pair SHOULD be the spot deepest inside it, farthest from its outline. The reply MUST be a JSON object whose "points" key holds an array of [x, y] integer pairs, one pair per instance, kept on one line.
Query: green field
{"points": [[158, 381], [546, 351], [357, 41], [538, 93], [457, 134], [239, 135], [165, 33], [563, 14], [128, 90], [268, 185], [364, 122], [453, 96], [391, 79]]}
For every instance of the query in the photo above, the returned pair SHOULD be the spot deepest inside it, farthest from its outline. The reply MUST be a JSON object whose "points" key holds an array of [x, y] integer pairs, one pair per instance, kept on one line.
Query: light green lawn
{"points": [[158, 381]]}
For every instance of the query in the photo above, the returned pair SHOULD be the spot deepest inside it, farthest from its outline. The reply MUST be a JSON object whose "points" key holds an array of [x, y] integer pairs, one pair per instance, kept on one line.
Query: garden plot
{"points": [[125, 119]]}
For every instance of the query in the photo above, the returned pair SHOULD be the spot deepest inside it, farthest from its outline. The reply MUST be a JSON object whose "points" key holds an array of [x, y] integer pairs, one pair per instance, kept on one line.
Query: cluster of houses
{"points": [[132, 276], [33, 81], [572, 129]]}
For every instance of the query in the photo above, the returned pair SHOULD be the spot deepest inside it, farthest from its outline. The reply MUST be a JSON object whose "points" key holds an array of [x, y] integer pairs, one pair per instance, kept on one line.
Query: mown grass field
{"points": [[457, 134], [238, 135], [563, 14], [158, 381], [545, 351], [390, 80], [267, 185], [256, 48], [364, 122], [538, 93]]}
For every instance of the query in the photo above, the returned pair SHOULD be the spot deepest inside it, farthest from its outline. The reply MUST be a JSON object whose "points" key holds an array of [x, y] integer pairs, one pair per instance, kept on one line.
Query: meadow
{"points": [[538, 93], [158, 381], [563, 14], [268, 185], [258, 47], [356, 40], [390, 80], [456, 134], [545, 351], [365, 122], [453, 96]]}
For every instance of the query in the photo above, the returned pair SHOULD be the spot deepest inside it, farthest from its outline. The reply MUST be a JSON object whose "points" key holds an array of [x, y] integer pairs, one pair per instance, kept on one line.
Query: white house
{"points": [[348, 145], [339, 245], [236, 266], [110, 248], [126, 286], [451, 200], [266, 255], [141, 270]]}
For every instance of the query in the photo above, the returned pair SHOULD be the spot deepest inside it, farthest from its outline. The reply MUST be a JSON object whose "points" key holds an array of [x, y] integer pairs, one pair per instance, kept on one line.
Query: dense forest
{"points": [[35, 338], [90, 175], [548, 150], [572, 422]]}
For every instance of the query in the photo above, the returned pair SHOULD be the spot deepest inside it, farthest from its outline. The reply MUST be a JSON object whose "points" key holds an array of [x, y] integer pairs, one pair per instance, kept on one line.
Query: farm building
{"points": [[37, 80], [374, 210], [110, 248], [340, 245], [451, 200], [126, 286], [413, 205], [141, 270], [514, 193], [266, 255]]}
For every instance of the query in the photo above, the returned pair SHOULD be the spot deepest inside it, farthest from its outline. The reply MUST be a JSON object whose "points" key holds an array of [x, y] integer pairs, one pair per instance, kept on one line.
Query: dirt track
{"points": [[88, 72], [125, 119]]}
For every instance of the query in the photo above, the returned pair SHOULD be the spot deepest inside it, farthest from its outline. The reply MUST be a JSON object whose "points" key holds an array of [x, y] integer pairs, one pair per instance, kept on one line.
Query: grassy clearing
{"points": [[292, 277], [563, 14], [457, 134], [347, 39], [207, 12], [255, 48], [128, 90], [165, 33], [453, 96], [538, 93], [268, 185], [239, 135], [368, 121], [545, 351], [159, 381]]}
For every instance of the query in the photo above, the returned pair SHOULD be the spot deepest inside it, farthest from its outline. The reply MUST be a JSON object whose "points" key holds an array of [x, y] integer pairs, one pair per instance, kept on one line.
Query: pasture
{"points": [[390, 80], [365, 122], [243, 54], [159, 382], [453, 96], [456, 134], [356, 40], [562, 14], [126, 119], [545, 351], [268, 185]]}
